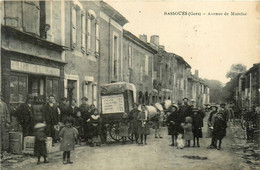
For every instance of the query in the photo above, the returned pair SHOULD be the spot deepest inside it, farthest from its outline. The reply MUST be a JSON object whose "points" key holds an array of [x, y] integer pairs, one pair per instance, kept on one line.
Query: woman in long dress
{"points": [[143, 124]]}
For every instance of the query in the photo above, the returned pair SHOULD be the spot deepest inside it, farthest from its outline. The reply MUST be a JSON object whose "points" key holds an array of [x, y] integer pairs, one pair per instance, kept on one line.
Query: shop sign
{"points": [[33, 68], [113, 104]]}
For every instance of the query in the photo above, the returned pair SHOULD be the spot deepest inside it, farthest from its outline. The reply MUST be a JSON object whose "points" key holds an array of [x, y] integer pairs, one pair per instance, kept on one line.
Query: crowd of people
{"points": [[68, 124]]}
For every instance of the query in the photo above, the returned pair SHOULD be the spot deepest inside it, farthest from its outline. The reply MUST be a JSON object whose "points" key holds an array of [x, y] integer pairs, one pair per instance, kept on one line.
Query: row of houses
{"points": [[248, 89], [70, 48]]}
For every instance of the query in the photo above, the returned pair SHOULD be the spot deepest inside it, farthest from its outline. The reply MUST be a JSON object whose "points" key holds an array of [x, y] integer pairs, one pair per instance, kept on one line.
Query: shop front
{"points": [[26, 74]]}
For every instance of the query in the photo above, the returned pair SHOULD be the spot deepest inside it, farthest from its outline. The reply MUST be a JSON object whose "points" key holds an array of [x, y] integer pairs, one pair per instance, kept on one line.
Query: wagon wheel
{"points": [[114, 131], [131, 138]]}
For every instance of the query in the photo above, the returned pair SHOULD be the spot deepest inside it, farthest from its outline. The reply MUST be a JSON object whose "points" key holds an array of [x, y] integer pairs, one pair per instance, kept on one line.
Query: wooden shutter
{"points": [[31, 17], [88, 33], [97, 39], [11, 13], [73, 27], [83, 30]]}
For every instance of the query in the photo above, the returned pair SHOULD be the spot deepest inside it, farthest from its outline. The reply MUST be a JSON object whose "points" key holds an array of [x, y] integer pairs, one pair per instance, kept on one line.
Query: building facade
{"points": [[95, 57], [138, 66], [32, 52]]}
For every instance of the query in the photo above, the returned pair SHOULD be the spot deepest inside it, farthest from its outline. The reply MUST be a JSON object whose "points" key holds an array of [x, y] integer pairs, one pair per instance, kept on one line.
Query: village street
{"points": [[156, 155]]}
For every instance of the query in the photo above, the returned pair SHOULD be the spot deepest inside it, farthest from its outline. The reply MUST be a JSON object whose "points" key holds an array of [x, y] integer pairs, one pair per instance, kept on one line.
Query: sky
{"points": [[210, 44]]}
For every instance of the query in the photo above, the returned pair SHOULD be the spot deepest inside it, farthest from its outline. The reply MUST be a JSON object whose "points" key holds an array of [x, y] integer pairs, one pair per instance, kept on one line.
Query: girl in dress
{"points": [[197, 124], [68, 136], [95, 122], [143, 124], [187, 126], [123, 132]]}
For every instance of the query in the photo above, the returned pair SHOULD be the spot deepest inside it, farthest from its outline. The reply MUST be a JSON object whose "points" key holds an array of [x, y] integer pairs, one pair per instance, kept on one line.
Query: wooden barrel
{"points": [[16, 139]]}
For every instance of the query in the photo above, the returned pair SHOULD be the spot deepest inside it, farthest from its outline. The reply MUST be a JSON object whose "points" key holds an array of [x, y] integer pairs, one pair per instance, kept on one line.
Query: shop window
{"points": [[36, 87], [18, 89], [52, 86]]}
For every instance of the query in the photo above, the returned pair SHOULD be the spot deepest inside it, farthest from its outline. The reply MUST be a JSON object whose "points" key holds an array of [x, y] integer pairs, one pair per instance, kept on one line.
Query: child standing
{"points": [[219, 129], [187, 126], [40, 142], [124, 127], [68, 136], [95, 121], [197, 124], [79, 124]]}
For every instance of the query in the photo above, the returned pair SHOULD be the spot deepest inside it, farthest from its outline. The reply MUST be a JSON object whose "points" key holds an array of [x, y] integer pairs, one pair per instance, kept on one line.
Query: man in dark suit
{"points": [[50, 116], [25, 114]]}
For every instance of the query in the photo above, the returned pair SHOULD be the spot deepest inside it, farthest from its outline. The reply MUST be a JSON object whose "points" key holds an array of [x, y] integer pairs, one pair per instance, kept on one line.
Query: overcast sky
{"points": [[210, 44]]}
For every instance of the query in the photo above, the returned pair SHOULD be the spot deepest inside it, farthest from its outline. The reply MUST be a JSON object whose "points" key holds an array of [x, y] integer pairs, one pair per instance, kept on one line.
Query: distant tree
{"points": [[229, 90], [215, 87]]}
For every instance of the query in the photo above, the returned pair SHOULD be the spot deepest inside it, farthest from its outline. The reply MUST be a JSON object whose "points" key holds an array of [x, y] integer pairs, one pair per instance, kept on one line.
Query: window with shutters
{"points": [[73, 26], [141, 74], [130, 56], [146, 68], [18, 88], [115, 56], [83, 30], [31, 17], [92, 34]]}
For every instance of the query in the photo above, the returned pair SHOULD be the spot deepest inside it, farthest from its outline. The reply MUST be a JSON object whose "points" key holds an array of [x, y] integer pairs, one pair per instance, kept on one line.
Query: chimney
{"points": [[196, 73], [162, 47], [154, 40], [143, 37]]}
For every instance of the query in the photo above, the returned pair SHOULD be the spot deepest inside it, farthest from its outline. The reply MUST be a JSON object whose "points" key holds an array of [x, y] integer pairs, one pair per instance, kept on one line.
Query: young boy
{"points": [[40, 142], [79, 125]]}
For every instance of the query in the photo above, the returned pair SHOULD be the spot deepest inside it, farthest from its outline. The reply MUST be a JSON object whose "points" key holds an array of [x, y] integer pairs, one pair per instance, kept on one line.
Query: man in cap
{"points": [[25, 113], [50, 116], [84, 109], [185, 109], [63, 106], [5, 122]]}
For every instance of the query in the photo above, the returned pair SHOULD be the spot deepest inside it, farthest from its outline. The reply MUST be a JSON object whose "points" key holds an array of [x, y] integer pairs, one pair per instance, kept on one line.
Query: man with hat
{"points": [[25, 114], [185, 109], [224, 112], [5, 122]]}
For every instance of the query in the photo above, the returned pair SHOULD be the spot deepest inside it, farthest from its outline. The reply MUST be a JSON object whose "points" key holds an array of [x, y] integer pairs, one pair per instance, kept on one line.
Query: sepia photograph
{"points": [[129, 85]]}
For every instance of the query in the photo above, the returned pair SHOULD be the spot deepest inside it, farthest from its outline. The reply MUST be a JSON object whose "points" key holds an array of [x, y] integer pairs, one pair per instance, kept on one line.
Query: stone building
{"points": [[95, 56], [138, 65], [32, 51]]}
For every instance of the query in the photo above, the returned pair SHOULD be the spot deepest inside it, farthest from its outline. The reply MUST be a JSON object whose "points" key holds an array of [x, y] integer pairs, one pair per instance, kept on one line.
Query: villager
{"points": [[156, 124], [197, 124], [124, 126], [5, 124], [68, 137], [63, 106], [210, 126], [79, 123], [95, 121], [173, 123], [50, 117], [40, 142], [143, 124], [25, 113], [134, 122], [84, 110], [219, 129], [187, 126]]}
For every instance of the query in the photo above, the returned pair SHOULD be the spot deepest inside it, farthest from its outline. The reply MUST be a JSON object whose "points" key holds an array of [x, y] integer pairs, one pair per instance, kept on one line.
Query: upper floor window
{"points": [[92, 34], [141, 74], [115, 57], [130, 56], [146, 67]]}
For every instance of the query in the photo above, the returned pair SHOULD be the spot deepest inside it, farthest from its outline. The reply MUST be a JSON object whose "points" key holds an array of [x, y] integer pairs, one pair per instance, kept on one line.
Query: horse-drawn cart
{"points": [[116, 99]]}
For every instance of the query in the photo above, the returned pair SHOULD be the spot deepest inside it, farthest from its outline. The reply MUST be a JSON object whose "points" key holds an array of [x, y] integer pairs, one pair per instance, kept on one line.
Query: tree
{"points": [[229, 90], [235, 70], [215, 87]]}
